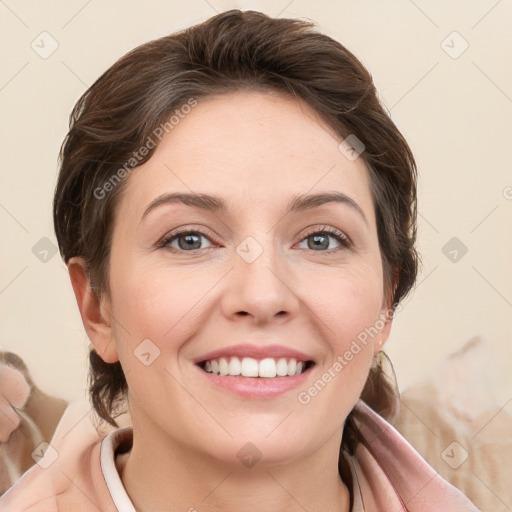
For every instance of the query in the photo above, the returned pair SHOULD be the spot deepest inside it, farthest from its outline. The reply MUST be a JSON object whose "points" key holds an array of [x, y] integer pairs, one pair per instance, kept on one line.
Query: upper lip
{"points": [[254, 351]]}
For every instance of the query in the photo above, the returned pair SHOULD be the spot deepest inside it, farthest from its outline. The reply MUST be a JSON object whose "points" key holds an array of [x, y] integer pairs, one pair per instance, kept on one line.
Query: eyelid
{"points": [[329, 230], [183, 231], [343, 239]]}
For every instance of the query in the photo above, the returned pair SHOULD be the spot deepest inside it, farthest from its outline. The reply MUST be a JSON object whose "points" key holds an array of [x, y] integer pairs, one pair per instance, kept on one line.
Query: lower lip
{"points": [[256, 387]]}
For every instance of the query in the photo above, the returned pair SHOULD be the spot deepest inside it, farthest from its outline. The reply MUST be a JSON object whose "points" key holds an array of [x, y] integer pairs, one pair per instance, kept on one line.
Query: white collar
{"points": [[116, 488], [357, 506]]}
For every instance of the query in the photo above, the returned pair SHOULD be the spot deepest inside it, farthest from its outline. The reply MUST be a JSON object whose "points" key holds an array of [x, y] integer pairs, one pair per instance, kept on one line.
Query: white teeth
{"points": [[235, 367], [223, 366], [282, 367], [250, 367], [267, 368]]}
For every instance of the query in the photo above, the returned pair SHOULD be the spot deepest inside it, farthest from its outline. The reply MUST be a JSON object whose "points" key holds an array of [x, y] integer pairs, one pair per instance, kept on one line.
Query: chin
{"points": [[273, 450]]}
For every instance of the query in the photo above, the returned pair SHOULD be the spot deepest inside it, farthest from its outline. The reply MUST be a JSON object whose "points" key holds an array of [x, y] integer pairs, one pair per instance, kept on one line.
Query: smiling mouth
{"points": [[268, 367]]}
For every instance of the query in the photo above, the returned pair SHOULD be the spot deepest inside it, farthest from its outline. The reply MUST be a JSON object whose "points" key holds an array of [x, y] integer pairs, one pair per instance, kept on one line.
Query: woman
{"points": [[237, 213]]}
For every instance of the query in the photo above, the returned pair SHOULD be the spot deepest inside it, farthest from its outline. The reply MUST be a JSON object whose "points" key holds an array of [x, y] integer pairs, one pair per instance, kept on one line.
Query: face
{"points": [[254, 278]]}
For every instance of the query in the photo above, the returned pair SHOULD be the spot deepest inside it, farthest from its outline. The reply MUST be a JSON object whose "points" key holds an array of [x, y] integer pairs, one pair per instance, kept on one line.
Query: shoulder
{"points": [[389, 469], [68, 473], [55, 480]]}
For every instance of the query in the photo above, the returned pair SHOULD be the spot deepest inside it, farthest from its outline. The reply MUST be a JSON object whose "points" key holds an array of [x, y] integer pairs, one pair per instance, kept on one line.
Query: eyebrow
{"points": [[217, 204]]}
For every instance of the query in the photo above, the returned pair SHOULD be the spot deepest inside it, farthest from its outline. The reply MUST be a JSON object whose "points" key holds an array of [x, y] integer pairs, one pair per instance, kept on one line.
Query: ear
{"points": [[386, 314], [93, 312]]}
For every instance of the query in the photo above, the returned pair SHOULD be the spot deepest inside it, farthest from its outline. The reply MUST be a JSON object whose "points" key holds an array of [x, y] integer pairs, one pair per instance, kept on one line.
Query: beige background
{"points": [[456, 114]]}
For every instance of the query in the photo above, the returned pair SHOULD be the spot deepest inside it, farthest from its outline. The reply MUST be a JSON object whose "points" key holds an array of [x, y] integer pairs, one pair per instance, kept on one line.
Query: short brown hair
{"points": [[234, 50]]}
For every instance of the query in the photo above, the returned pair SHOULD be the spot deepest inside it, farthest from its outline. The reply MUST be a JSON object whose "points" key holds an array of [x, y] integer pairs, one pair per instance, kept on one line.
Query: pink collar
{"points": [[392, 475]]}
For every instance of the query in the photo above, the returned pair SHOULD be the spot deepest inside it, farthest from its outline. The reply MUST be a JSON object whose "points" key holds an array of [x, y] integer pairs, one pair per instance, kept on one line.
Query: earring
{"points": [[377, 358]]}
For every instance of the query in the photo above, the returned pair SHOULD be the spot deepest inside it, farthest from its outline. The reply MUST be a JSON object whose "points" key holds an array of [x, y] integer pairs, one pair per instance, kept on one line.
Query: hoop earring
{"points": [[377, 360]]}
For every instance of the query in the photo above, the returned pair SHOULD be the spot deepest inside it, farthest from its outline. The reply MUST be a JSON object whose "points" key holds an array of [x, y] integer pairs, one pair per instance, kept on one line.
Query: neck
{"points": [[160, 474]]}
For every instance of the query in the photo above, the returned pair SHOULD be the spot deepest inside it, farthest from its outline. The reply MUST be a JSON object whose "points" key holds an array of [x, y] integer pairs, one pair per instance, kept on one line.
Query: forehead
{"points": [[249, 146]]}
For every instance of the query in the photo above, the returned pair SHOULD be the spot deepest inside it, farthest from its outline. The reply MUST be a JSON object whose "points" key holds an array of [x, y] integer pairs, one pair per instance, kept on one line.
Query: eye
{"points": [[320, 239], [190, 240], [187, 240]]}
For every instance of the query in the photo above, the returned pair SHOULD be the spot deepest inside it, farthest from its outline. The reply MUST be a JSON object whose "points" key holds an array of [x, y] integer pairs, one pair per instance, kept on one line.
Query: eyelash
{"points": [[343, 239]]}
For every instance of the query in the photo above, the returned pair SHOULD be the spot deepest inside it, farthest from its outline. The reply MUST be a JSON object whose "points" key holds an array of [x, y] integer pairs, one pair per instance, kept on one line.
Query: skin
{"points": [[255, 151]]}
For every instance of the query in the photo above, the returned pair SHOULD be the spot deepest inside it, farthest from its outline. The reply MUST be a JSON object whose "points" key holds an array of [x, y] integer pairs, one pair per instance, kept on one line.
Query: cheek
{"points": [[347, 300], [347, 311], [156, 303], [348, 304]]}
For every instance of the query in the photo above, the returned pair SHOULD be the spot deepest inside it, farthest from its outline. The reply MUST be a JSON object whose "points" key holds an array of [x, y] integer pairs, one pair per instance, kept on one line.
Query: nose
{"points": [[260, 288]]}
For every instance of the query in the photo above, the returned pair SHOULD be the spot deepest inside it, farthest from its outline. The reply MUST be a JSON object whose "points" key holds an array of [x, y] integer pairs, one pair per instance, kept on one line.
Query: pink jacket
{"points": [[78, 473]]}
